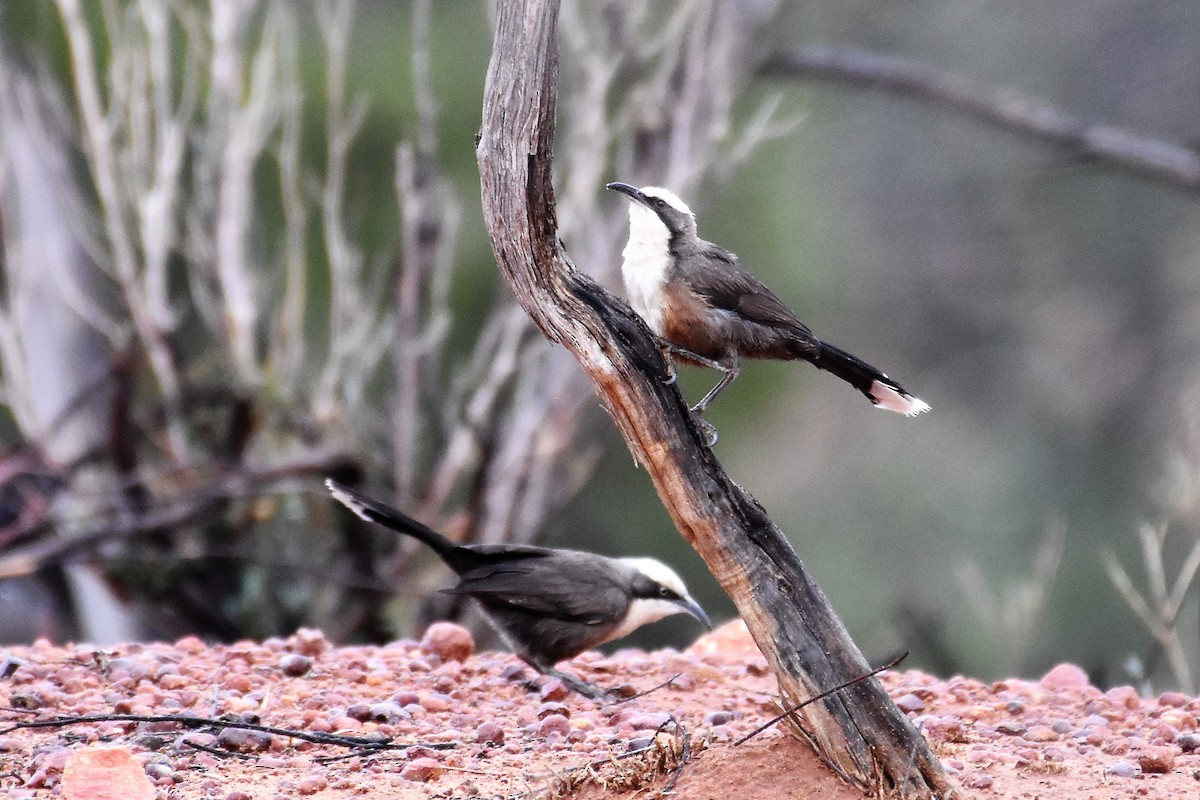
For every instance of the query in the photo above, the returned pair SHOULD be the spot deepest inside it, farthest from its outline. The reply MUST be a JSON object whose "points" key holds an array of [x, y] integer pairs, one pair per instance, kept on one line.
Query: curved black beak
{"points": [[691, 607], [633, 192]]}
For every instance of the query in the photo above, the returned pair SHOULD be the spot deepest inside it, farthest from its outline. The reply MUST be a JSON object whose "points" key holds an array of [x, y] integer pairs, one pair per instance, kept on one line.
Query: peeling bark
{"points": [[859, 732]]}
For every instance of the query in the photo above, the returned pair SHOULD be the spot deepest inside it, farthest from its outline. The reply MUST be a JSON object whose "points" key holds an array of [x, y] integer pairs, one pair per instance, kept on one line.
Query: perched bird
{"points": [[696, 298], [548, 605]]}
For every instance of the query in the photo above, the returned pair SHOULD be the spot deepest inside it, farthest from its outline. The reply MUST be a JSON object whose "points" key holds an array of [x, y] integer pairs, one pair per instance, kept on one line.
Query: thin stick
{"points": [[820, 696], [337, 740]]}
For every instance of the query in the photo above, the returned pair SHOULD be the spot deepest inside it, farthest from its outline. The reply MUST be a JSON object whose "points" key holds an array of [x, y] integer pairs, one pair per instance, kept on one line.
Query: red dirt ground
{"points": [[510, 733]]}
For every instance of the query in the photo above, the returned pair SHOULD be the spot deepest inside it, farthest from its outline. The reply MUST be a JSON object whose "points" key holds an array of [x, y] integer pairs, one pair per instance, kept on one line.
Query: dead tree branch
{"points": [[1119, 149], [859, 731]]}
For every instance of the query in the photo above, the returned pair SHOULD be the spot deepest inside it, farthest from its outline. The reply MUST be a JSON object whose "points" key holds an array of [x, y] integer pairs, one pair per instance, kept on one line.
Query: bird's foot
{"points": [[589, 690], [672, 372], [707, 429]]}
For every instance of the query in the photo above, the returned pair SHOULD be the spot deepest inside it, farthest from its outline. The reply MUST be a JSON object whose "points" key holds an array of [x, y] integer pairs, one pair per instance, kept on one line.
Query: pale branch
{"points": [[103, 161], [1117, 148], [858, 731], [416, 258]]}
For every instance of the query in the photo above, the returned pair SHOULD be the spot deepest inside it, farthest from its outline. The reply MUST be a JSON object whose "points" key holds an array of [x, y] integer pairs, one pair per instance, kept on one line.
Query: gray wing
{"points": [[713, 273], [567, 588]]}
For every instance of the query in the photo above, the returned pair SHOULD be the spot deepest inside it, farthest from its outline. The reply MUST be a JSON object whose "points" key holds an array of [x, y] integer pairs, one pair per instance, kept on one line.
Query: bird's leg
{"points": [[588, 690], [730, 368], [671, 347]]}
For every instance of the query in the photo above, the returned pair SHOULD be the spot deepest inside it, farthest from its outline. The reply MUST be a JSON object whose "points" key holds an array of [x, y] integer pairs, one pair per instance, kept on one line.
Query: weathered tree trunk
{"points": [[858, 731]]}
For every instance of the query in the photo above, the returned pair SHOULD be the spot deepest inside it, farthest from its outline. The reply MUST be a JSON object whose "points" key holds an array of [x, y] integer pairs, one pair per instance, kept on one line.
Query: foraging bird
{"points": [[548, 605], [696, 298]]}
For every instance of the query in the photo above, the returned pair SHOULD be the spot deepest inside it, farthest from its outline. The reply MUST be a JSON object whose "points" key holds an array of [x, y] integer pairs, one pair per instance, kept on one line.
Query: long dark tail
{"points": [[388, 517], [881, 390]]}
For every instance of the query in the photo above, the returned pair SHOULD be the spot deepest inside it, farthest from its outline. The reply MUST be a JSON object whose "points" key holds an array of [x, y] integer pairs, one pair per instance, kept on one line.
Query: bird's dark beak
{"points": [[691, 607], [633, 192]]}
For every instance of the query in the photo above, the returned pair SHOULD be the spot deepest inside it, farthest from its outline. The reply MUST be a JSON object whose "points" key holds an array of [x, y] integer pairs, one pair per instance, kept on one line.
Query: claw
{"points": [[672, 372], [707, 428]]}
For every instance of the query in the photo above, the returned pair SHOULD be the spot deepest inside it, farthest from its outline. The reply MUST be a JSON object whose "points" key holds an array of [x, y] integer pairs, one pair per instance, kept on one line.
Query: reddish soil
{"points": [[488, 727]]}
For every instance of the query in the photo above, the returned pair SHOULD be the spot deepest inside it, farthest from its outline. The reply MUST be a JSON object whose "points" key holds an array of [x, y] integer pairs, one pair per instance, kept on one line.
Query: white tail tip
{"points": [[345, 499], [887, 397]]}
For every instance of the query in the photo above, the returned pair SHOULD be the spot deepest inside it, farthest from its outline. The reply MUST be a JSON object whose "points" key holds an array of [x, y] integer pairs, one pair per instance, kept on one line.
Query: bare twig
{"points": [[428, 224], [356, 338], [1110, 146], [1159, 606], [793, 709], [148, 320], [1011, 612], [366, 743]]}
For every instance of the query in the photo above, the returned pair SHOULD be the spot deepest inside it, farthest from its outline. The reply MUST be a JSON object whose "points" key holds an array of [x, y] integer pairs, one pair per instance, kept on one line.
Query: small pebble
{"points": [[359, 711], [555, 723], [1065, 676], [160, 773], [1173, 699], [910, 703], [1012, 728], [554, 689], [313, 784], [639, 743], [514, 672], [309, 641], [489, 732], [1040, 733], [435, 702], [977, 782], [448, 641], [1189, 742], [1123, 697], [1122, 769], [546, 709], [719, 718], [1156, 760], [238, 794], [294, 664], [243, 741], [650, 721], [1055, 754], [388, 711], [421, 770]]}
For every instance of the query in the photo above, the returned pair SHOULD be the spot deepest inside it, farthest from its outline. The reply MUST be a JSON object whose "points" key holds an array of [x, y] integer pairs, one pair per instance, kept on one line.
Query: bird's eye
{"points": [[664, 592]]}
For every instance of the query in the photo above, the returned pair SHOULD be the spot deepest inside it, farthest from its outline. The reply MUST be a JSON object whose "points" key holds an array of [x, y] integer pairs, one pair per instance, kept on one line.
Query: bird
{"points": [[548, 605], [697, 299]]}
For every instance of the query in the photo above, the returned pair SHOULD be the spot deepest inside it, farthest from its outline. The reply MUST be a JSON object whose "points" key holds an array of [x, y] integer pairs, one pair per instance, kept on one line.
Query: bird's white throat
{"points": [[641, 612], [647, 259]]}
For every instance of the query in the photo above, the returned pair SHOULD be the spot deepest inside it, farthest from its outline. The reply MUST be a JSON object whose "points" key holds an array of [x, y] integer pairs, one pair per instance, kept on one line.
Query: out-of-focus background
{"points": [[243, 249]]}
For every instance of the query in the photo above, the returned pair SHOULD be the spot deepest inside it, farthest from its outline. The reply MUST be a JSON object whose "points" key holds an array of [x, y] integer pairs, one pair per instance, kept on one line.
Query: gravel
{"points": [[477, 721]]}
